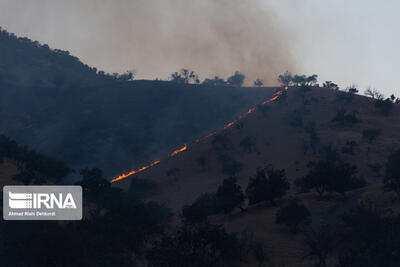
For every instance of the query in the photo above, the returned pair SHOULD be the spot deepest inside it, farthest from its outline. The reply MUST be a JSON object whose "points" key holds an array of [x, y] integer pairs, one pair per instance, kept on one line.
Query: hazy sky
{"points": [[349, 42]]}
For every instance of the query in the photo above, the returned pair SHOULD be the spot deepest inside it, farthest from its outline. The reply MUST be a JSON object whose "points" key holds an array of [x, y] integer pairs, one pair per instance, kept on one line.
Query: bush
{"points": [[293, 215], [229, 196], [267, 185], [345, 119], [329, 176], [204, 206], [391, 180]]}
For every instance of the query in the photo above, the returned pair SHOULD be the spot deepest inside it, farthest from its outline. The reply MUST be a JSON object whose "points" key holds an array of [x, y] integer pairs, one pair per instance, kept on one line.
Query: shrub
{"points": [[345, 119], [293, 215], [229, 196], [267, 185], [204, 206], [329, 176]]}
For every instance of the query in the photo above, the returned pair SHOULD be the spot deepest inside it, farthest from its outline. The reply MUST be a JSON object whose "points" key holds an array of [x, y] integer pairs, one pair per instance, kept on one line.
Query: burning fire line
{"points": [[185, 147]]}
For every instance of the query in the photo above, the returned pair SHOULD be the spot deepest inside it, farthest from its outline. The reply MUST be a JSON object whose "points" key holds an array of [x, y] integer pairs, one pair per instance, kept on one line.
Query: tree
{"points": [[391, 180], [185, 76], [331, 85], [267, 185], [374, 93], [229, 196], [237, 79], [320, 243], [204, 206], [331, 176], [352, 89], [216, 81], [345, 119], [293, 215], [258, 83], [286, 78]]}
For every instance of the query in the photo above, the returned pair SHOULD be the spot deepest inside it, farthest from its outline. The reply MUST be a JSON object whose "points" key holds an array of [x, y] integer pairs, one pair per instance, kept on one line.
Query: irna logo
{"points": [[42, 202]]}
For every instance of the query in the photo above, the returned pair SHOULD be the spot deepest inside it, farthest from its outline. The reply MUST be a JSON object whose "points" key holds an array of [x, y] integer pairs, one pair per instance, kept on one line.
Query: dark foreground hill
{"points": [[52, 102]]}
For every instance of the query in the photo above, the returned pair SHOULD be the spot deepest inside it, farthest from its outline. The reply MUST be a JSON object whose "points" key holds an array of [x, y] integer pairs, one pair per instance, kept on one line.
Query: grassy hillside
{"points": [[280, 134], [300, 127]]}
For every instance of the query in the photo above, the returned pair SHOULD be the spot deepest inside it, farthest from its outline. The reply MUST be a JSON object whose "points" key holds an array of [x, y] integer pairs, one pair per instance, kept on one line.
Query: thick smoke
{"points": [[158, 37]]}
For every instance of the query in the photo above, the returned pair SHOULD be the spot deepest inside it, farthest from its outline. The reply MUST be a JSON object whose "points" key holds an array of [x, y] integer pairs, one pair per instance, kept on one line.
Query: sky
{"points": [[348, 42]]}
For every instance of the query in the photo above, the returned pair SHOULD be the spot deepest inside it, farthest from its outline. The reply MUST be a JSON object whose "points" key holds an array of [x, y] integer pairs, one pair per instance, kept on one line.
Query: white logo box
{"points": [[42, 202]]}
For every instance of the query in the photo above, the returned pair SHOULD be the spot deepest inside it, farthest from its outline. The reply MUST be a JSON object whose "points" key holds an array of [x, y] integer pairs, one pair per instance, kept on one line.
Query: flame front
{"points": [[275, 96]]}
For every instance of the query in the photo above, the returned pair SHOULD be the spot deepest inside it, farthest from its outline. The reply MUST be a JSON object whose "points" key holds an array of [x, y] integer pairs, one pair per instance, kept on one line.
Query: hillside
{"points": [[278, 141], [288, 133], [54, 103]]}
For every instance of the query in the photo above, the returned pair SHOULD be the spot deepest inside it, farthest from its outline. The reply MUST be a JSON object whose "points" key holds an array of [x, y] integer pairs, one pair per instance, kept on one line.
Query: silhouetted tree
{"points": [[216, 81], [258, 83], [230, 196], [204, 206], [331, 85], [374, 93], [237, 79], [267, 185], [185, 76], [294, 215], [331, 176], [286, 78]]}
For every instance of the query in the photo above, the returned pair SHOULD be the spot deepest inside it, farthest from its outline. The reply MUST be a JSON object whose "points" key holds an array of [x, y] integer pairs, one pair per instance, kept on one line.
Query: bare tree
{"points": [[374, 93]]}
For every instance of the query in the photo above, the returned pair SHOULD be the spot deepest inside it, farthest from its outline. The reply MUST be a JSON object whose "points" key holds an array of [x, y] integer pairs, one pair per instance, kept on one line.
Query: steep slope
{"points": [[282, 135], [54, 103]]}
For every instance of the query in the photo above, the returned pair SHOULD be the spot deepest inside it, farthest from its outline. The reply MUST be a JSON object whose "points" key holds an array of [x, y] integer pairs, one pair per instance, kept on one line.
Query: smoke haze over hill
{"points": [[157, 37]]}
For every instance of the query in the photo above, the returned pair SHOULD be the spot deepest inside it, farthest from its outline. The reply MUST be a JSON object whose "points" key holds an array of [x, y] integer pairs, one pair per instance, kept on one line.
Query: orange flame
{"points": [[178, 151], [122, 176], [275, 96]]}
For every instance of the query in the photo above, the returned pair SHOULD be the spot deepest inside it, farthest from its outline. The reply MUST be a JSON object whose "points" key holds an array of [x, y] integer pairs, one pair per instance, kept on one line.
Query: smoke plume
{"points": [[158, 37]]}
